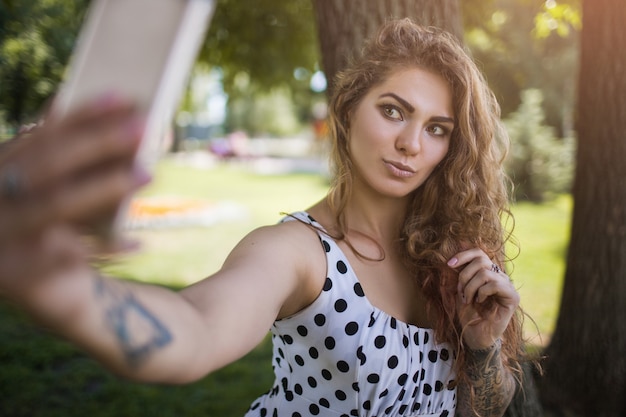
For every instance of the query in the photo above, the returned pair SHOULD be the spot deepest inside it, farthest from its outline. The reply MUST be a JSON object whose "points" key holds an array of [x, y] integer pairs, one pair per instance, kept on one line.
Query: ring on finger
{"points": [[11, 183], [495, 268]]}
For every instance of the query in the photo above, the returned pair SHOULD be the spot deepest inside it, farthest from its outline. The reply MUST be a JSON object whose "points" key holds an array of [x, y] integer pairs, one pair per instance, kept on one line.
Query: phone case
{"points": [[143, 50]]}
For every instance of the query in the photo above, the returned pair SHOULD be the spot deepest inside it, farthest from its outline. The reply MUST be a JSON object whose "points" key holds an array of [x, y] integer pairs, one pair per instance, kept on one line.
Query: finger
{"points": [[50, 159], [471, 286], [25, 260], [86, 149], [56, 130], [65, 148], [73, 203], [500, 289], [99, 193], [464, 257], [469, 263], [477, 266], [109, 103]]}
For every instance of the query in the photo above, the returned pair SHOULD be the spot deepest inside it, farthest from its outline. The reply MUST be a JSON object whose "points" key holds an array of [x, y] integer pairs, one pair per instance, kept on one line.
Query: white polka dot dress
{"points": [[341, 356]]}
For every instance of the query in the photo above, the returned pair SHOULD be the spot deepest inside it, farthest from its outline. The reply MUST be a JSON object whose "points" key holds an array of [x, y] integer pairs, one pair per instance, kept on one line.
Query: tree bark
{"points": [[586, 360], [344, 25]]}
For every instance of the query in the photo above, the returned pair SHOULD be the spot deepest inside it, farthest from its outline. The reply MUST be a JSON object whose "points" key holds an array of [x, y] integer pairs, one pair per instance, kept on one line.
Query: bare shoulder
{"points": [[292, 239], [289, 255]]}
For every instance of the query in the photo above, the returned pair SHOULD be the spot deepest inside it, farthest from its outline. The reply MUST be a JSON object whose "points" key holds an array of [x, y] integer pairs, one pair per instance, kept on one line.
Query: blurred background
{"points": [[249, 142]]}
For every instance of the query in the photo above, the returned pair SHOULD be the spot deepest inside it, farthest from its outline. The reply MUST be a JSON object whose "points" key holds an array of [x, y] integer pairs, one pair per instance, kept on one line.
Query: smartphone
{"points": [[143, 50]]}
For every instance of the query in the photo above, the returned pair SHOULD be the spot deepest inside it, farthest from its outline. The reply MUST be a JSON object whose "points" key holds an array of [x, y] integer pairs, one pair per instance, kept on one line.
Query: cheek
{"points": [[367, 129], [445, 148], [361, 141]]}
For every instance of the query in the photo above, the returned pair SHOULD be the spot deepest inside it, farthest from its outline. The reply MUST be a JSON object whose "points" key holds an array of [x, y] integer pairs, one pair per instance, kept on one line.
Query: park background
{"points": [[248, 144]]}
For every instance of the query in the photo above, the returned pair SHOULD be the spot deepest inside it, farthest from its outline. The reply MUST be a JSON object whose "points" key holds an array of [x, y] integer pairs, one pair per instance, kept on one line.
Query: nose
{"points": [[409, 141]]}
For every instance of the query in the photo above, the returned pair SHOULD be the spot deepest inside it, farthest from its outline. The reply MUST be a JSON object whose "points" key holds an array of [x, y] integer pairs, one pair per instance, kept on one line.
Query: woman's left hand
{"points": [[487, 298]]}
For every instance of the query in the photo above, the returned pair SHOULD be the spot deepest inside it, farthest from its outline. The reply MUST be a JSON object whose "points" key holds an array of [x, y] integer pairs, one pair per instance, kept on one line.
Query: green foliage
{"points": [[539, 164], [267, 39], [259, 49], [267, 113], [36, 40], [559, 18], [507, 46]]}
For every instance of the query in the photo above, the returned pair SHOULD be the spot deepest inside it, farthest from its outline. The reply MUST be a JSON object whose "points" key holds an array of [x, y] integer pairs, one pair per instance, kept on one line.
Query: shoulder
{"points": [[289, 249], [292, 255], [288, 236]]}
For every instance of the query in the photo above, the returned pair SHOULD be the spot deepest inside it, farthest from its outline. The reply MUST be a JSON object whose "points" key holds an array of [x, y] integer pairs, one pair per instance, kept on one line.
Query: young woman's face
{"points": [[400, 131]]}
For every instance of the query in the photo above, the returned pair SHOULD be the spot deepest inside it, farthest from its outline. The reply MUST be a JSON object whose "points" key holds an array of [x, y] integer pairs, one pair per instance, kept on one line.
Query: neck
{"points": [[379, 218]]}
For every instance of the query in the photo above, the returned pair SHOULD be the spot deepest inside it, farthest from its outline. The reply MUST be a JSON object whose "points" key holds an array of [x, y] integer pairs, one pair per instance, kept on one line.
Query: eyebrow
{"points": [[443, 119], [411, 109]]}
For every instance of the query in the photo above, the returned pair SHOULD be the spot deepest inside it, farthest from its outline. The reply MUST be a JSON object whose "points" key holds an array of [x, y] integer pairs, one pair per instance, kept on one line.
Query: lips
{"points": [[399, 169]]}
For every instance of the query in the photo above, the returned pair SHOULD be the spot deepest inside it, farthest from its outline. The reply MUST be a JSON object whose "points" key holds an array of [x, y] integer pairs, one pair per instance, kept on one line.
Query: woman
{"points": [[385, 298]]}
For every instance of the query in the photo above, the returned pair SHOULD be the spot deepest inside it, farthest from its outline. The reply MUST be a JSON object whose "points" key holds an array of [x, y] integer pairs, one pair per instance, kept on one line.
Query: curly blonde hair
{"points": [[464, 202]]}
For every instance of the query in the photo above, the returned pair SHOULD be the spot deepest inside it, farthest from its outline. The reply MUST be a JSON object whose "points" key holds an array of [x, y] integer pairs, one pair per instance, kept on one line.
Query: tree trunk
{"points": [[586, 364], [526, 402], [344, 25]]}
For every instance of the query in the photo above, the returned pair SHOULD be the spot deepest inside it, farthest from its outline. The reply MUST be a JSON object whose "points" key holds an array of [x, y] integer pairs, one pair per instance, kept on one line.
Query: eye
{"points": [[391, 112], [438, 130]]}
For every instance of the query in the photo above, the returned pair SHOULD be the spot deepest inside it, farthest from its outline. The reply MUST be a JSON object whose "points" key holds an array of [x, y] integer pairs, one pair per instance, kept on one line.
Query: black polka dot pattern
{"points": [[341, 356]]}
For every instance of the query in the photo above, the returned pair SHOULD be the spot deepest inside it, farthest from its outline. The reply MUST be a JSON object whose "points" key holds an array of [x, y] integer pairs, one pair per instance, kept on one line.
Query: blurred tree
{"points": [[342, 26], [264, 50], [267, 43], [267, 113], [267, 40], [36, 39], [586, 361], [524, 44]]}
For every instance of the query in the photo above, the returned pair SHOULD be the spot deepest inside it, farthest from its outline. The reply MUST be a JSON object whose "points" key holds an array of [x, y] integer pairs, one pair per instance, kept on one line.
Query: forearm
{"points": [[490, 385], [141, 332]]}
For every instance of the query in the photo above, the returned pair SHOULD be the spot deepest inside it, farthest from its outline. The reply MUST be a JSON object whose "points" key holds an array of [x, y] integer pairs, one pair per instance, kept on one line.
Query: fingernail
{"points": [[132, 131], [141, 176], [453, 261], [108, 99]]}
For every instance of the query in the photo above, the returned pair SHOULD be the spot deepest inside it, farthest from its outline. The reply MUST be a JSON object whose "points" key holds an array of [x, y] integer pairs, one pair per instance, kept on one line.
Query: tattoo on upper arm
{"points": [[490, 387], [138, 331]]}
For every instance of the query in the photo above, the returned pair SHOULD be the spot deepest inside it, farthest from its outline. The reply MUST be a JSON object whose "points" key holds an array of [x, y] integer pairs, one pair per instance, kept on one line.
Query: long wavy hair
{"points": [[464, 203]]}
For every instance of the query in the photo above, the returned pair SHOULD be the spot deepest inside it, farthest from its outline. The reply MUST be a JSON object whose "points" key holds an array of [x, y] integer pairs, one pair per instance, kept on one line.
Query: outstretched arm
{"points": [[68, 176], [149, 333]]}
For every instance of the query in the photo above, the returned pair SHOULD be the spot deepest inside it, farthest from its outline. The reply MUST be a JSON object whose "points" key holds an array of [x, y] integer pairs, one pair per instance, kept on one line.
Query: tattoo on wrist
{"points": [[490, 385], [138, 332], [476, 356]]}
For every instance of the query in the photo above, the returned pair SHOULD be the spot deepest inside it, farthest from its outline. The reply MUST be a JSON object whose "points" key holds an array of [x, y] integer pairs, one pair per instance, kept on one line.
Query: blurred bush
{"points": [[540, 164]]}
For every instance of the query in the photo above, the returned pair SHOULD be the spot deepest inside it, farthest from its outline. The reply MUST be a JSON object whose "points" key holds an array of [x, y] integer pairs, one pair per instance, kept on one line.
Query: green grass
{"points": [[44, 376], [41, 376], [543, 235], [184, 255]]}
